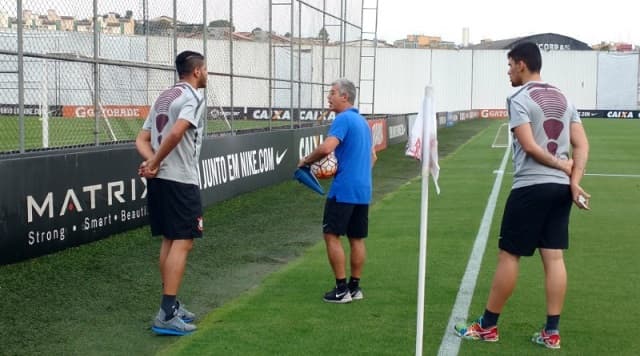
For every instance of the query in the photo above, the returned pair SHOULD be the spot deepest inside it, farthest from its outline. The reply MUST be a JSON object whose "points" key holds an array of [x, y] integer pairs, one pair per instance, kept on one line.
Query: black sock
{"points": [[489, 319], [341, 284], [168, 306], [552, 322], [354, 282]]}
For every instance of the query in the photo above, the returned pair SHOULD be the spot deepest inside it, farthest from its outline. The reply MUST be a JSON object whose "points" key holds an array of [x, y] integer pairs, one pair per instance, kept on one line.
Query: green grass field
{"points": [[257, 279], [65, 132]]}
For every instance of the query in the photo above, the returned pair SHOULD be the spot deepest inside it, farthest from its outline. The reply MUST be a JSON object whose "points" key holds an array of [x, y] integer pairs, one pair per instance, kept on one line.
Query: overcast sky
{"points": [[587, 21]]}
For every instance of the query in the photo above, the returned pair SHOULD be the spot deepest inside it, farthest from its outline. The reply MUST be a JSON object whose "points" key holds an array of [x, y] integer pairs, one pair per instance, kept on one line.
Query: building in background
{"points": [[546, 42], [112, 23], [423, 41], [465, 37], [615, 47]]}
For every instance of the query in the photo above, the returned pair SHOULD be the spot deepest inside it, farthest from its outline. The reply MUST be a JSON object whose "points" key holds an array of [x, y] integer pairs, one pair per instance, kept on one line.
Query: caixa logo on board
{"points": [[84, 198], [309, 143], [622, 114]]}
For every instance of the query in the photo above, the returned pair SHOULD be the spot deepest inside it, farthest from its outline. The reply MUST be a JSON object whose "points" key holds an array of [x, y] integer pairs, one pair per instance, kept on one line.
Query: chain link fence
{"points": [[85, 73]]}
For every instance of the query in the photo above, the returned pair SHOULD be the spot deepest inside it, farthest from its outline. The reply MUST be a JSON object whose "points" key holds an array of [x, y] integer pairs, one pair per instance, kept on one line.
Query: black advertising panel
{"points": [[52, 201], [397, 127], [610, 114], [49, 203], [29, 110], [265, 113], [231, 165]]}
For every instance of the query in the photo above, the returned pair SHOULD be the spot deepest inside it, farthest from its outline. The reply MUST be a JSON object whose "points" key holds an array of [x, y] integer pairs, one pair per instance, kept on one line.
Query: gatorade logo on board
{"points": [[110, 111]]}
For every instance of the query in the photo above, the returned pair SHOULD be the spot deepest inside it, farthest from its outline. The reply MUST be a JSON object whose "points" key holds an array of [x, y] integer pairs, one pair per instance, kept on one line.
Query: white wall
{"points": [[618, 81], [451, 72], [575, 73], [251, 59], [490, 81], [478, 79], [401, 75]]}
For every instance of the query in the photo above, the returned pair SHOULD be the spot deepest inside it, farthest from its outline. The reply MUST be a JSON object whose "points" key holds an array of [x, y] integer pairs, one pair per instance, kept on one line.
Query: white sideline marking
{"points": [[613, 175], [594, 174], [450, 344]]}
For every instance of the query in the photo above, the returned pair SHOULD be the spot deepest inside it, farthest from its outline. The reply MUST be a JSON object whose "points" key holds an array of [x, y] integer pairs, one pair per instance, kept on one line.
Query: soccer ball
{"points": [[326, 167]]}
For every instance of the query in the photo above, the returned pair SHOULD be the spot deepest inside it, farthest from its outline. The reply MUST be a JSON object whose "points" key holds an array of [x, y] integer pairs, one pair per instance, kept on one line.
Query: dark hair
{"points": [[187, 61], [529, 53]]}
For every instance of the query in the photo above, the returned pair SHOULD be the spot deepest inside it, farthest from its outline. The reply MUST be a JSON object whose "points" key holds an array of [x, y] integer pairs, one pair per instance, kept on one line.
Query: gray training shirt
{"points": [[550, 114], [181, 101]]}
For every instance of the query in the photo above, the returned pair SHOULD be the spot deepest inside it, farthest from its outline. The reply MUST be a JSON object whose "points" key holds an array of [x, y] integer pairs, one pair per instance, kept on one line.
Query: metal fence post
{"points": [[96, 73], [175, 36], [20, 76], [270, 62], [291, 63], [205, 34], [231, 74]]}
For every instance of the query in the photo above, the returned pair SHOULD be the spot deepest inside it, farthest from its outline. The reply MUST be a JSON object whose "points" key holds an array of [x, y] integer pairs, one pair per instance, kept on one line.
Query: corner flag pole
{"points": [[427, 108]]}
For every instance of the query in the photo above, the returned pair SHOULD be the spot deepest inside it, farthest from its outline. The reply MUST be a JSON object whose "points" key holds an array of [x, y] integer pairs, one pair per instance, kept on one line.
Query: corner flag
{"points": [[425, 128]]}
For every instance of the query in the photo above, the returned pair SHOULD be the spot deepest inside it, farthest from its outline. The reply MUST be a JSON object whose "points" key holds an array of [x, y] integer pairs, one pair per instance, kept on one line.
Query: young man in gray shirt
{"points": [[169, 143], [550, 151]]}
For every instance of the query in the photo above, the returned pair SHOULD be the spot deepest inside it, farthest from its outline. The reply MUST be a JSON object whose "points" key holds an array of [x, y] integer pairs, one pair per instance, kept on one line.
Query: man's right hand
{"points": [[565, 165], [147, 169]]}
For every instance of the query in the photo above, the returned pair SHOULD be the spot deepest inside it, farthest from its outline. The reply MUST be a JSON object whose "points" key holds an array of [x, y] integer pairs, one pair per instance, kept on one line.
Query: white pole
{"points": [[103, 113], [44, 106], [427, 107]]}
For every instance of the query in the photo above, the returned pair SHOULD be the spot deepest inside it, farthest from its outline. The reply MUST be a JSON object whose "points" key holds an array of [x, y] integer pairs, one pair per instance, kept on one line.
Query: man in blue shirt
{"points": [[346, 210]]}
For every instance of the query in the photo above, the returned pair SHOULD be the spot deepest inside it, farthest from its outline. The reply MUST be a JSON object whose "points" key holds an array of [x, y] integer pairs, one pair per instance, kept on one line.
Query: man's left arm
{"points": [[143, 144], [580, 154]]}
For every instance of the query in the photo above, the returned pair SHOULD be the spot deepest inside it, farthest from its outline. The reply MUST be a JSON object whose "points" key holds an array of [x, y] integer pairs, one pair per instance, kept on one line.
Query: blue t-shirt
{"points": [[352, 182]]}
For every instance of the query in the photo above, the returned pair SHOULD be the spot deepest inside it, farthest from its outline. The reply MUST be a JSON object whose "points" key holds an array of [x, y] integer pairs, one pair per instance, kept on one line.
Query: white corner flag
{"points": [[424, 129]]}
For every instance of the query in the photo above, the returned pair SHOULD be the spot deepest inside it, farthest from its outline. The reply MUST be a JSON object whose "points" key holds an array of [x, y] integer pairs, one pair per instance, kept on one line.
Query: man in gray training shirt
{"points": [[550, 151], [169, 143]]}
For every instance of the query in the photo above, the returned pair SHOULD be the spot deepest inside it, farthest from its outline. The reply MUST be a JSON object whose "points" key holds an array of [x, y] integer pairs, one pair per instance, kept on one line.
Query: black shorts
{"points": [[345, 219], [175, 209], [536, 216]]}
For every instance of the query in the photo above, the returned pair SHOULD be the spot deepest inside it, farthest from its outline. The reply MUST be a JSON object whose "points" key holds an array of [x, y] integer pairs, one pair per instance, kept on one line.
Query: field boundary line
{"points": [[606, 175], [612, 175], [450, 344]]}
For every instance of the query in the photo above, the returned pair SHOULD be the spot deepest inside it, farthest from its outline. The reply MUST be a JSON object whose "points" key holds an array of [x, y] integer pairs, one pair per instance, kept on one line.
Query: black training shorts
{"points": [[536, 216], [345, 219], [175, 209]]}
